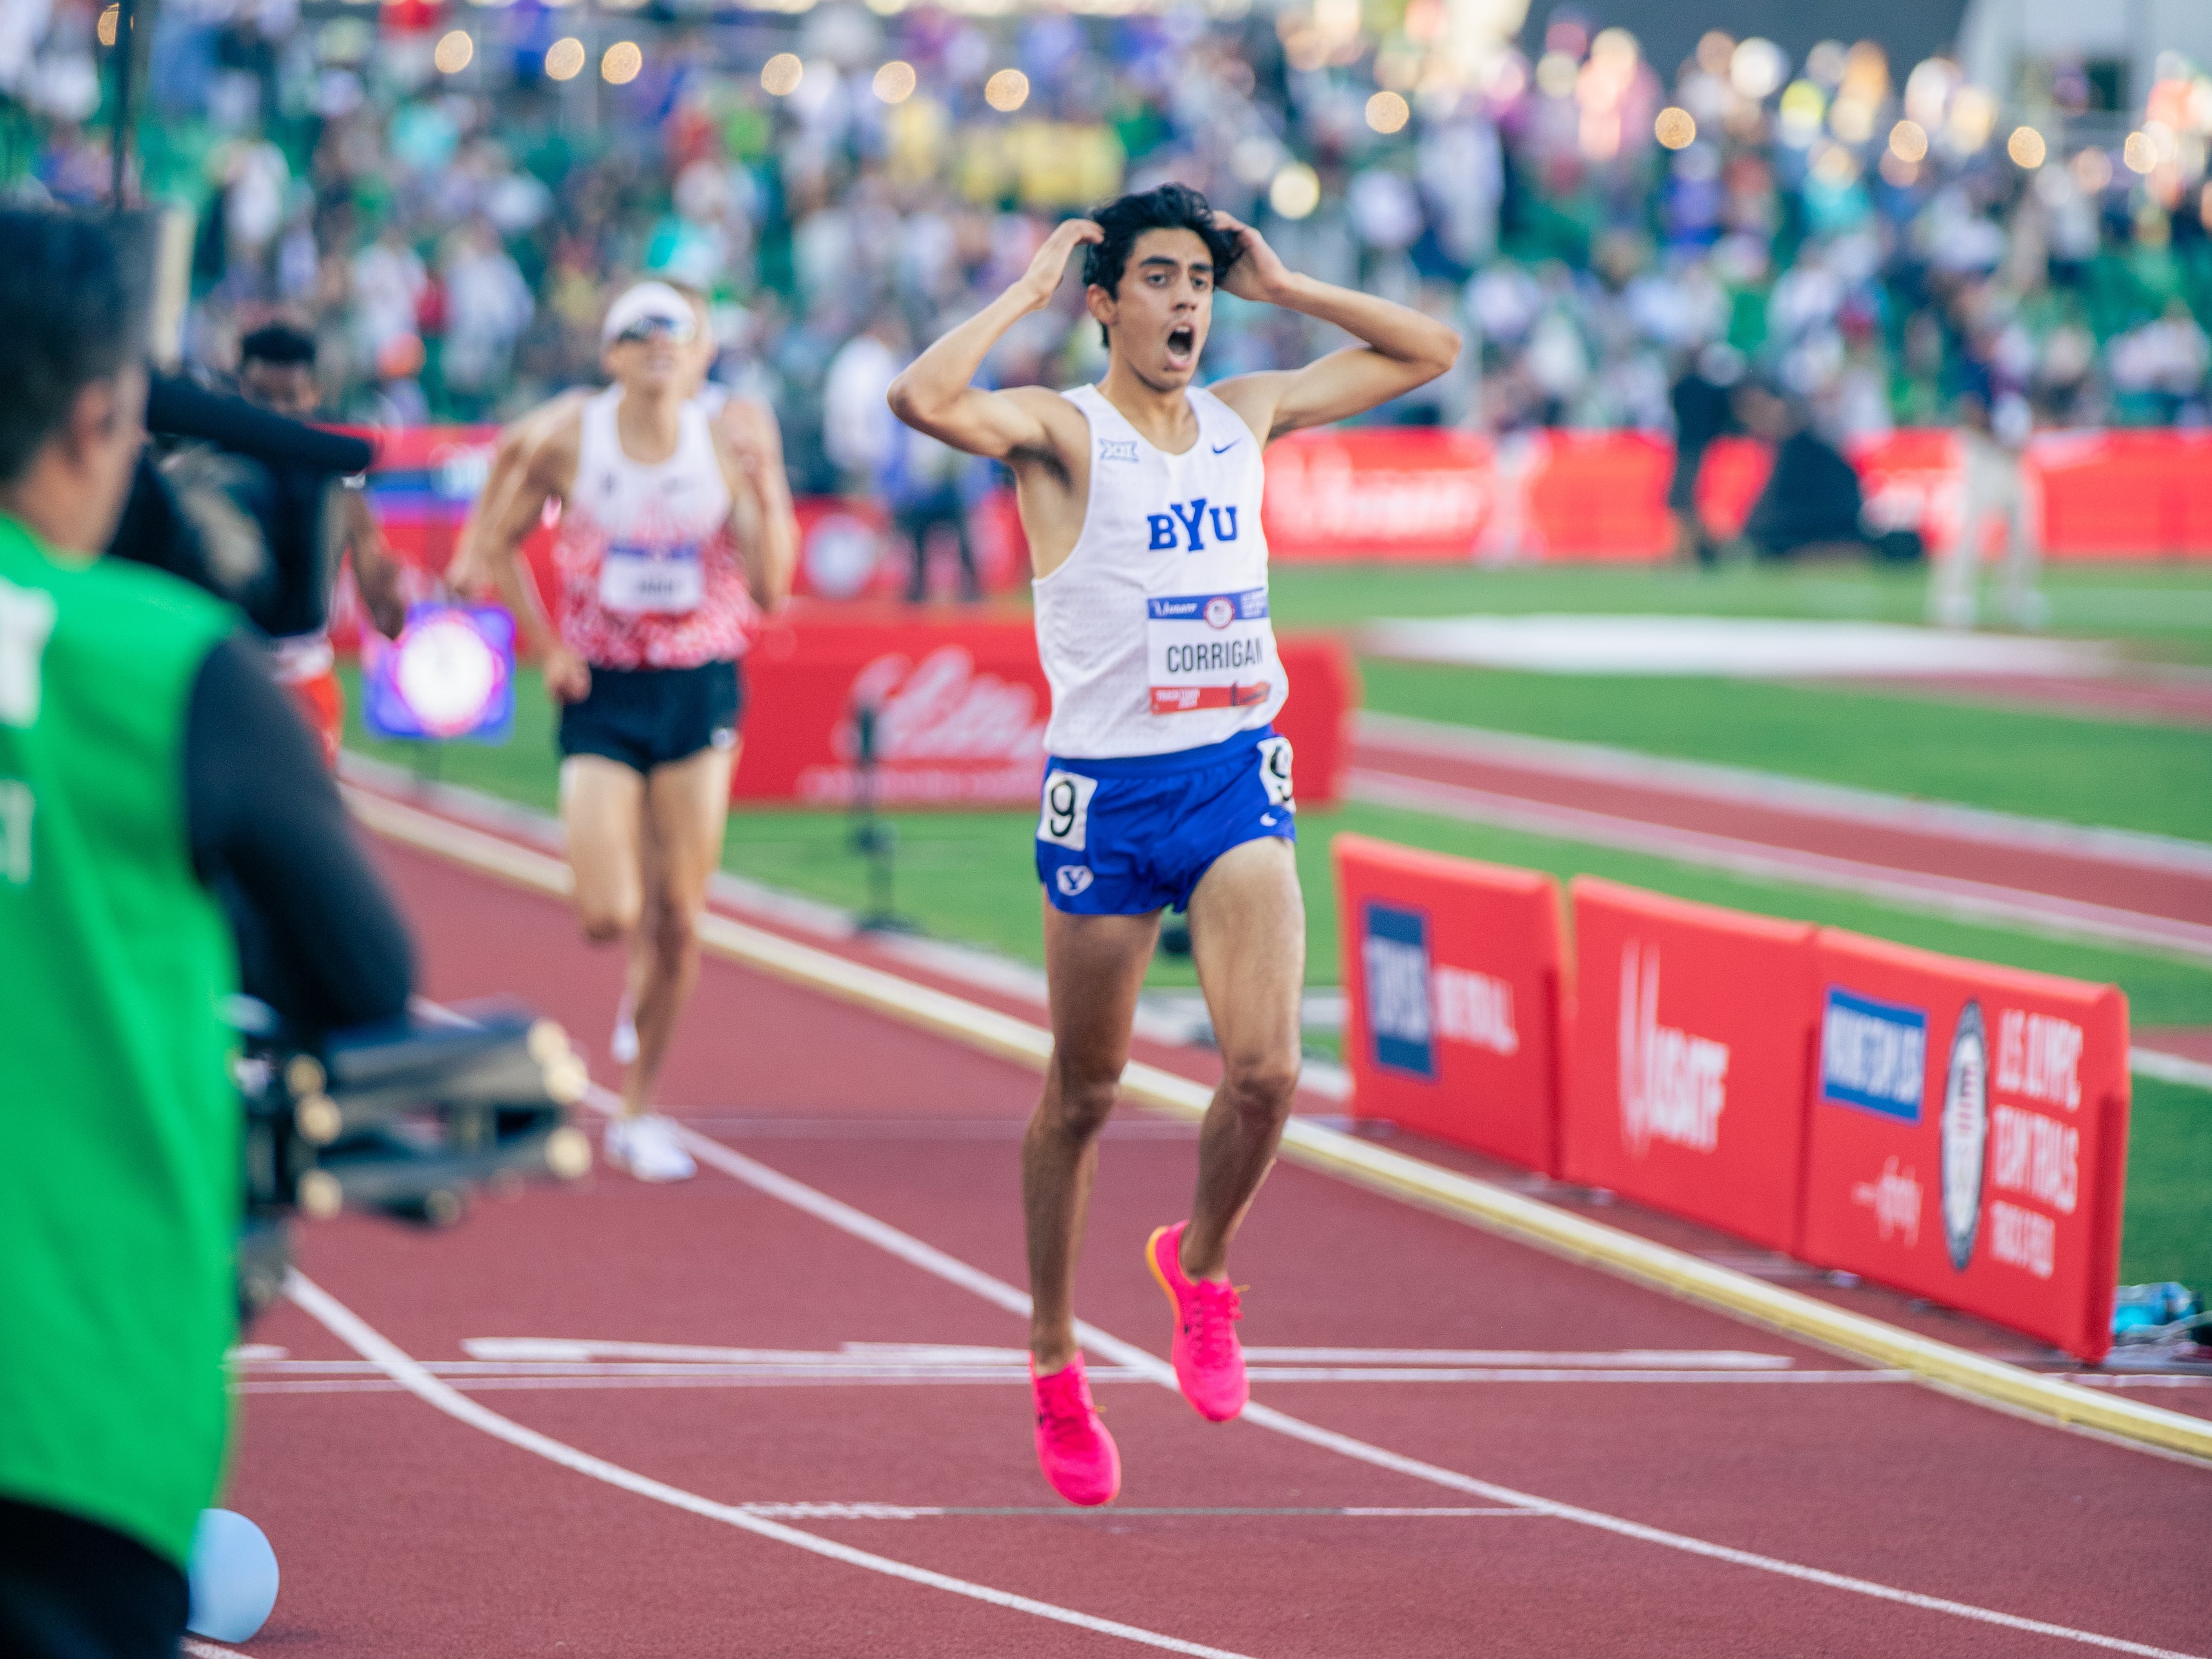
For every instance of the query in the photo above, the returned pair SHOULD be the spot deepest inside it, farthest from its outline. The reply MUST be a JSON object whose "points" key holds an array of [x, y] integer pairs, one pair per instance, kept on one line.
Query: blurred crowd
{"points": [[447, 194]]}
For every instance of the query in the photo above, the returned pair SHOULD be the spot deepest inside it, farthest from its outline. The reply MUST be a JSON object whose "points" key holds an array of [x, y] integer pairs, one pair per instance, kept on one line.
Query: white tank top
{"points": [[1155, 634], [656, 523]]}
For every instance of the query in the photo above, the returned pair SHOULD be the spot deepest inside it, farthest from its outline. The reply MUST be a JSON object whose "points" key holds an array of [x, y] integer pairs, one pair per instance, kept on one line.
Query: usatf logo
{"points": [[1117, 449], [1674, 1086], [1395, 949], [1894, 1198], [1192, 520], [1873, 1055], [1966, 1134]]}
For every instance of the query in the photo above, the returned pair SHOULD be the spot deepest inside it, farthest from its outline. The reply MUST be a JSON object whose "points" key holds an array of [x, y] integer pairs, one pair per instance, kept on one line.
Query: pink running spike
{"points": [[1073, 1449], [1209, 1364]]}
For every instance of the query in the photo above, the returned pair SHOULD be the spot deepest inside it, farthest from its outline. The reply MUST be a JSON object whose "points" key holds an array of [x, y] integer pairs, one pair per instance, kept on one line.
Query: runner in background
{"points": [[277, 370], [750, 426], [671, 542], [1166, 784]]}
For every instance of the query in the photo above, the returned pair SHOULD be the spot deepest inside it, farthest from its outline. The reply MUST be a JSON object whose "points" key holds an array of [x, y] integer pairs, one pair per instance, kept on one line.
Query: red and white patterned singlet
{"points": [[648, 576]]}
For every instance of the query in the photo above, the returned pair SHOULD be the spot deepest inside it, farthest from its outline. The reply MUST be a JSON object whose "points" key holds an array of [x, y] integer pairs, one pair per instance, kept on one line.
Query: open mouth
{"points": [[1183, 342]]}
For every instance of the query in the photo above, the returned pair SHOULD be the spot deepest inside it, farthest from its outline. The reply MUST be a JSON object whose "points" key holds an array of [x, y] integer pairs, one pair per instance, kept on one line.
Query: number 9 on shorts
{"points": [[1066, 818]]}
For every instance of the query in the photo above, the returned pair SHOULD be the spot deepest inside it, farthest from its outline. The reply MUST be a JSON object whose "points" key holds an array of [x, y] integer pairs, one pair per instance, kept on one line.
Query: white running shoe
{"points": [[648, 1149], [623, 1045]]}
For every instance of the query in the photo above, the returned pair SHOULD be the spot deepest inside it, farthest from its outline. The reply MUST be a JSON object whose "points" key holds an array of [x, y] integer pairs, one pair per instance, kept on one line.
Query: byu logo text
{"points": [[1192, 519], [1073, 879]]}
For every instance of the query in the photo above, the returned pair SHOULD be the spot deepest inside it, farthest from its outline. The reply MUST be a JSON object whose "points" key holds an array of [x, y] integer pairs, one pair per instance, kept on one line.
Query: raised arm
{"points": [[936, 393], [1403, 348]]}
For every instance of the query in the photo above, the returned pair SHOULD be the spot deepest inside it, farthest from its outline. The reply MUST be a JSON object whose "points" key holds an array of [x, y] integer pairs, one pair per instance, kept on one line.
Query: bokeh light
{"points": [[1007, 90], [895, 82], [1388, 112], [110, 20], [2139, 153], [2092, 171], [1676, 128], [2025, 147], [1296, 191], [564, 58], [453, 51], [782, 74], [620, 63], [1757, 68], [1908, 141]]}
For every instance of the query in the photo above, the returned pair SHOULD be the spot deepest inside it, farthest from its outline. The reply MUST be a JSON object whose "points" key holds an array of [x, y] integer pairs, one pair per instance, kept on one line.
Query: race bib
{"points": [[1275, 772], [1066, 818], [1209, 651], [653, 581]]}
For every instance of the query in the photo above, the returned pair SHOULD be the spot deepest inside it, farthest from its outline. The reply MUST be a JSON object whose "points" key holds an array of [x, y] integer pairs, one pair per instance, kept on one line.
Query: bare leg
{"points": [[688, 802], [603, 809], [1095, 965], [1248, 938]]}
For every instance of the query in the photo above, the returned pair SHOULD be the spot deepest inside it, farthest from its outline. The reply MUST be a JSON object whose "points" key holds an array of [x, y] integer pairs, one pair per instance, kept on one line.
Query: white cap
{"points": [[647, 301]]}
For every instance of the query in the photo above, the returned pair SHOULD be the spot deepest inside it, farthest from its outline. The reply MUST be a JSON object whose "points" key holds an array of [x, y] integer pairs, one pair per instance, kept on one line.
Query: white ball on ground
{"points": [[233, 1577]]}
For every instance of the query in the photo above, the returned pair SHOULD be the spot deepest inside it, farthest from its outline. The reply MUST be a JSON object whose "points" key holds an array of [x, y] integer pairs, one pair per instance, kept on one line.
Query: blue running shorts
{"points": [[1125, 837]]}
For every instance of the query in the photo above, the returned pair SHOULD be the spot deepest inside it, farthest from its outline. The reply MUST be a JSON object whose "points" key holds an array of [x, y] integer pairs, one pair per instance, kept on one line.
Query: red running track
{"points": [[1592, 1517]]}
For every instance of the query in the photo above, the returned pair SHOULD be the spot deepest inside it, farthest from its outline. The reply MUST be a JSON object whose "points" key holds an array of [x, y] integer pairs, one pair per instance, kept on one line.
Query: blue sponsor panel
{"points": [[1216, 608], [1873, 1055], [1393, 949]]}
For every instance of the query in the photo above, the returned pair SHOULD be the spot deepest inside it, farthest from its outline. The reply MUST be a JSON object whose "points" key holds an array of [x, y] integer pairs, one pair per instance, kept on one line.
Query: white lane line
{"points": [[1953, 896], [704, 1377], [2170, 1068], [364, 1340], [930, 1260], [200, 1649]]}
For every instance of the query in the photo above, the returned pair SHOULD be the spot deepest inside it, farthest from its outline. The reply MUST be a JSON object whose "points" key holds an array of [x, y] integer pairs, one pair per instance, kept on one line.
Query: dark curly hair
{"points": [[1167, 206]]}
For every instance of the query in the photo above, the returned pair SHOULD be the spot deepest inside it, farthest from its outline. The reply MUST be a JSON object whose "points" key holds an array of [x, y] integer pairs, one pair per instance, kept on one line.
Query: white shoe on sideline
{"points": [[648, 1149], [623, 1046]]}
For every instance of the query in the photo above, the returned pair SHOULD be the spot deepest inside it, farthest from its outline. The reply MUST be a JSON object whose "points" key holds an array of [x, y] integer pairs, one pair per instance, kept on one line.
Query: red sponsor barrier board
{"points": [[1685, 1081], [1451, 973], [1967, 1136], [962, 706], [2124, 495]]}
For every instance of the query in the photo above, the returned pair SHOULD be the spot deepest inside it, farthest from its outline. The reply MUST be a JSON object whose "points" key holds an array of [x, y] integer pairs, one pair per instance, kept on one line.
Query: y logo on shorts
{"points": [[1073, 879], [1191, 518]]}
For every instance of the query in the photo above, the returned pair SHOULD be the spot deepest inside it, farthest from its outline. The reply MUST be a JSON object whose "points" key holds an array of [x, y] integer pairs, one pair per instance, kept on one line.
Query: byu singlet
{"points": [[649, 577], [1154, 634]]}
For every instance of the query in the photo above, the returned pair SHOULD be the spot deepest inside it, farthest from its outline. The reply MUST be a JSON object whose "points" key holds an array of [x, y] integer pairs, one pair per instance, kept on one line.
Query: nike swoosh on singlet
{"points": [[1223, 449]]}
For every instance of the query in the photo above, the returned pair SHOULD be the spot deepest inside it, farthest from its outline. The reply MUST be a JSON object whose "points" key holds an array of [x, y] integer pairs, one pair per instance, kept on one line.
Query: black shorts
{"points": [[71, 1589], [649, 717]]}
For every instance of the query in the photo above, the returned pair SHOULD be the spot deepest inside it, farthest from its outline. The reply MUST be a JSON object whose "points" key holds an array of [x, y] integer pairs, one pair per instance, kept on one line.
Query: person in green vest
{"points": [[151, 776]]}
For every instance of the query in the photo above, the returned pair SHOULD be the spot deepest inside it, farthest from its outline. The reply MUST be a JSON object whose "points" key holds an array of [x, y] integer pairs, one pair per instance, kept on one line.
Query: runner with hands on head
{"points": [[672, 541], [1166, 785]]}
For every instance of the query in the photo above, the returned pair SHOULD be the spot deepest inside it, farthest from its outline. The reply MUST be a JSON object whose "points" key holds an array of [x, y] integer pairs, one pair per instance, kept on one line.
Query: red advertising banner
{"points": [[1451, 974], [1692, 1036], [960, 710], [1386, 493], [1967, 1138]]}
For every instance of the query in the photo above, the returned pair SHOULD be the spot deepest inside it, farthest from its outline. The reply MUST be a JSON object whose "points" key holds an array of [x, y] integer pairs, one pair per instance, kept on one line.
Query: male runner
{"points": [[1166, 784], [671, 540], [276, 369]]}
